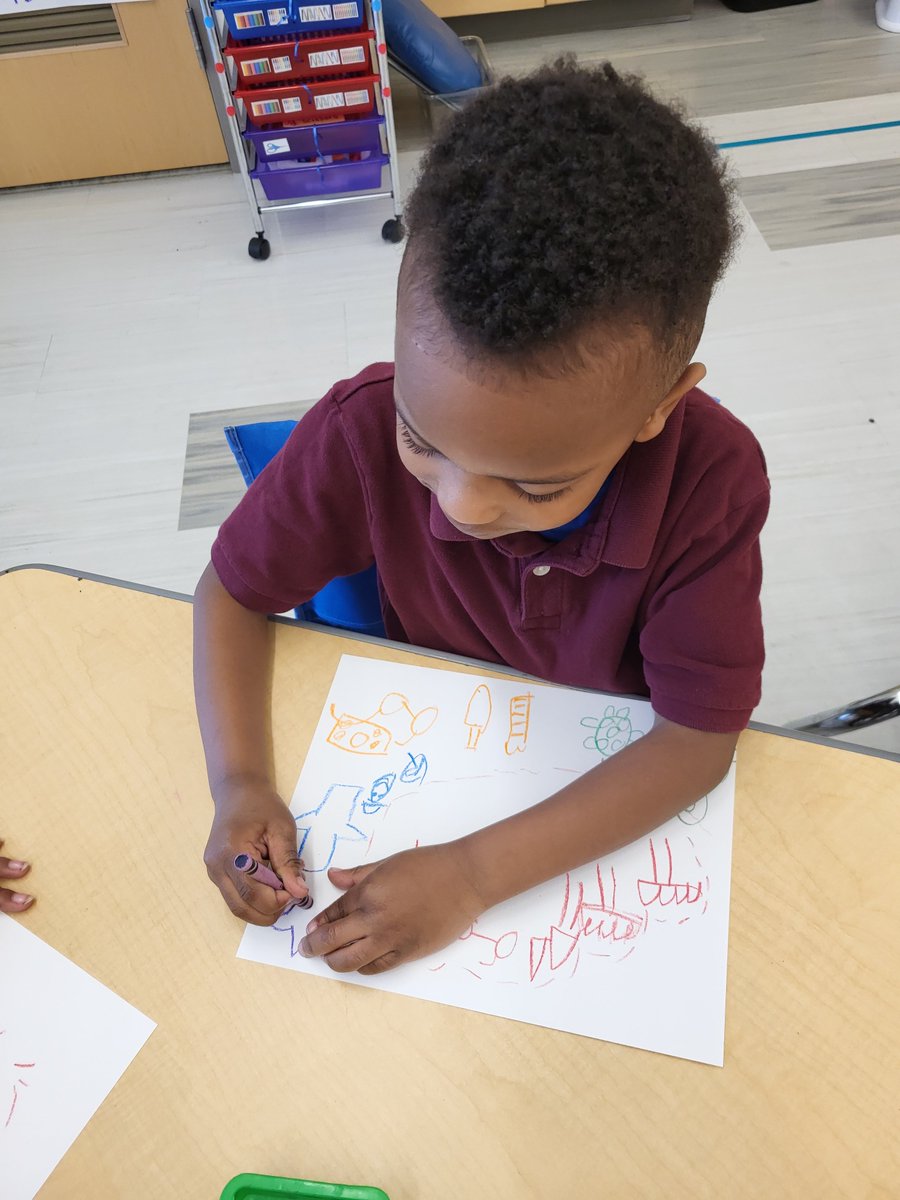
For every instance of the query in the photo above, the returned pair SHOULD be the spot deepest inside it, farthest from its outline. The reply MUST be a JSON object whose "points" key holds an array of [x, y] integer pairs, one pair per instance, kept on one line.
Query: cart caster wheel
{"points": [[393, 231], [259, 247]]}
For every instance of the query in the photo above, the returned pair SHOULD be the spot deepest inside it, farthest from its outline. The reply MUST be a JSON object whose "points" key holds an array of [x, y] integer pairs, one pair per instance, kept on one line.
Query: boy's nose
{"points": [[468, 499]]}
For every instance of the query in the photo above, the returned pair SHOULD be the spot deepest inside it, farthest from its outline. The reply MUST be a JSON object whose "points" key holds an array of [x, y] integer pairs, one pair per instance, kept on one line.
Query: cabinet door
{"points": [[465, 8], [139, 103]]}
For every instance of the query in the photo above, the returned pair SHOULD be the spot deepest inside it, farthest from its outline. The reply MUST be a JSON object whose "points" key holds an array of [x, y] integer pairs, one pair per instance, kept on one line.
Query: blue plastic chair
{"points": [[348, 602]]}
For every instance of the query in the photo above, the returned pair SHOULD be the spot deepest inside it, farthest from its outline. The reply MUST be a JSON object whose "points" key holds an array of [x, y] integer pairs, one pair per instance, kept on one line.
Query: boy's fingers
{"points": [[12, 868], [353, 957], [286, 864], [14, 902], [385, 963], [252, 902], [333, 937], [343, 907]]}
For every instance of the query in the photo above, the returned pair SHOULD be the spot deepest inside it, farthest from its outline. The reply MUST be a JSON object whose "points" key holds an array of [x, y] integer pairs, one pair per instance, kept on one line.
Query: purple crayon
{"points": [[247, 865]]}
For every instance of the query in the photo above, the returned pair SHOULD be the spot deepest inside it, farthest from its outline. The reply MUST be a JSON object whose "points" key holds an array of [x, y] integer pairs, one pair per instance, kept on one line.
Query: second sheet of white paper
{"points": [[631, 949]]}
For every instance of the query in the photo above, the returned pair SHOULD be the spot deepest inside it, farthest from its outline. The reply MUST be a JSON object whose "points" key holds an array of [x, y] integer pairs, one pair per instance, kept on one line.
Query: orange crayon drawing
{"points": [[519, 722], [478, 715], [666, 891], [392, 723]]}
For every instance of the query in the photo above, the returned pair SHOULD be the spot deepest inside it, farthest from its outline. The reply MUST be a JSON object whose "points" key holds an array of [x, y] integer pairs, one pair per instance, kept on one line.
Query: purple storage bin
{"points": [[296, 181], [314, 141]]}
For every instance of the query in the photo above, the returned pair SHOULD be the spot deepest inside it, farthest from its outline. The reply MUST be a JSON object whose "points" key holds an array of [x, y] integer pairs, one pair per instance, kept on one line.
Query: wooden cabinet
{"points": [[609, 13], [466, 8], [130, 103]]}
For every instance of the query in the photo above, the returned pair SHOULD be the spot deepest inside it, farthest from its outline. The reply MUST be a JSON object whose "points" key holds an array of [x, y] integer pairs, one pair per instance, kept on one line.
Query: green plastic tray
{"points": [[263, 1187]]}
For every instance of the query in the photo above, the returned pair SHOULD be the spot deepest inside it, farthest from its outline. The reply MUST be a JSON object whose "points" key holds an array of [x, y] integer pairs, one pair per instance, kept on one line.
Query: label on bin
{"points": [[344, 12], [353, 54], [316, 12], [325, 58], [265, 108], [292, 104], [331, 100], [277, 16], [360, 97], [250, 20], [276, 146], [256, 66], [281, 64]]}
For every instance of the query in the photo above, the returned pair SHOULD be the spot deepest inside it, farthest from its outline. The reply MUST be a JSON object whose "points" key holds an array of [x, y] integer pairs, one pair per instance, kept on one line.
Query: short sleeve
{"points": [[702, 640], [302, 522]]}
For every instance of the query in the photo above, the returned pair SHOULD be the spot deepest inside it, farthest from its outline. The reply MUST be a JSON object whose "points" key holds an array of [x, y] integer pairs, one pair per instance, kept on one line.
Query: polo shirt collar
{"points": [[623, 531]]}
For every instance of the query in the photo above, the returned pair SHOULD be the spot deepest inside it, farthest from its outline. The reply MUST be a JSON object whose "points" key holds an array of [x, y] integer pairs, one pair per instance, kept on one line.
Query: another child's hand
{"points": [[395, 910], [253, 819], [13, 901]]}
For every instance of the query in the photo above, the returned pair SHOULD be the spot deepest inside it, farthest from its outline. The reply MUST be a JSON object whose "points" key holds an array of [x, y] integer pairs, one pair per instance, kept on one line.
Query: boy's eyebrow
{"points": [[531, 482]]}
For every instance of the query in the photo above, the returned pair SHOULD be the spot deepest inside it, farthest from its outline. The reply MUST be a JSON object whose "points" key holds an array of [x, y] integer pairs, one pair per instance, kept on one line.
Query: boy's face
{"points": [[503, 453]]}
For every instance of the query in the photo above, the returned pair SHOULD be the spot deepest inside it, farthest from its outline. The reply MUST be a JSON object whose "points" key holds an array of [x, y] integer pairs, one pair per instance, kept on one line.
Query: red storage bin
{"points": [[301, 103], [304, 57]]}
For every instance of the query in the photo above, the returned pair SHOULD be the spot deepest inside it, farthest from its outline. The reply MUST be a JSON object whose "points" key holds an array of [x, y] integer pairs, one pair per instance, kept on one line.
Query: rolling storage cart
{"points": [[308, 104]]}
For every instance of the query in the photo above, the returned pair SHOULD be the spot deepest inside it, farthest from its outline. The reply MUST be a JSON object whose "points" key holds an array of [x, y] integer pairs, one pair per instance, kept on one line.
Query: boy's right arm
{"points": [[232, 653]]}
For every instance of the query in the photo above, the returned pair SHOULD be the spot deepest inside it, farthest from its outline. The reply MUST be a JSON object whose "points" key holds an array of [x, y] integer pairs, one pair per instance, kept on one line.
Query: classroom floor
{"points": [[133, 326]]}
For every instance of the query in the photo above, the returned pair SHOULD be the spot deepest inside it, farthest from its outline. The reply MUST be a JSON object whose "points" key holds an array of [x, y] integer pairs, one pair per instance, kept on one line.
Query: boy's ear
{"points": [[656, 422]]}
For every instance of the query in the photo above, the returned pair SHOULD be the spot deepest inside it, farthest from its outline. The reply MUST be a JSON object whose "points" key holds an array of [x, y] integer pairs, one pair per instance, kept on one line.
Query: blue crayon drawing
{"points": [[340, 801], [611, 732], [339, 815], [415, 770], [378, 793], [289, 928]]}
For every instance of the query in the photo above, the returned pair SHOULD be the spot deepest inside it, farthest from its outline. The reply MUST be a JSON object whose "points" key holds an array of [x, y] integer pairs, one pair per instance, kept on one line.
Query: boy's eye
{"points": [[429, 452], [412, 444], [542, 499]]}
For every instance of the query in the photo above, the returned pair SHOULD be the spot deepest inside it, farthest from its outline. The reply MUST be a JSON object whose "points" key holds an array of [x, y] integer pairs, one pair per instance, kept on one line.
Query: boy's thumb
{"points": [[345, 877], [287, 865]]}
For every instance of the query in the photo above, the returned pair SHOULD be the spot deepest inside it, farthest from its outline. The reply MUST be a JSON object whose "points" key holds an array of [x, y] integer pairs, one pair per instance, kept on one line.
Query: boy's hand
{"points": [[396, 910], [13, 901], [253, 819]]}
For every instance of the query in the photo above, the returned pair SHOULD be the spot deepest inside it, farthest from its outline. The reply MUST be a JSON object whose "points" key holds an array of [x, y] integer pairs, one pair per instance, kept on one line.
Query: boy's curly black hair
{"points": [[569, 199]]}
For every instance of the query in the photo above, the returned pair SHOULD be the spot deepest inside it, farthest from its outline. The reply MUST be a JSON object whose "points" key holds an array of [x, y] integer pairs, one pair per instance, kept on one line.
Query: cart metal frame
{"points": [[392, 230]]}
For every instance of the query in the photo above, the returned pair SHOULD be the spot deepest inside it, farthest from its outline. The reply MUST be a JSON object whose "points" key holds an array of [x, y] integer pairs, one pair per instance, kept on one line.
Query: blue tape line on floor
{"points": [[813, 133]]}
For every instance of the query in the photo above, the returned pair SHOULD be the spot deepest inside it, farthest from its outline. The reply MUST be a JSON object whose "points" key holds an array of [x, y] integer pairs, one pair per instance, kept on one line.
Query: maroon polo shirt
{"points": [[657, 595]]}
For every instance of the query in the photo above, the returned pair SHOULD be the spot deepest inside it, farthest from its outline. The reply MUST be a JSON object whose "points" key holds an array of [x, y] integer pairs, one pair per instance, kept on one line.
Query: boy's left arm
{"points": [[417, 902]]}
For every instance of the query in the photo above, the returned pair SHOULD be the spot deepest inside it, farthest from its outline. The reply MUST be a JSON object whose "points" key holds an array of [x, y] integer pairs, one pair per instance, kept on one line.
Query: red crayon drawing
{"points": [[561, 946], [604, 920], [18, 1082], [667, 891], [581, 922], [500, 947]]}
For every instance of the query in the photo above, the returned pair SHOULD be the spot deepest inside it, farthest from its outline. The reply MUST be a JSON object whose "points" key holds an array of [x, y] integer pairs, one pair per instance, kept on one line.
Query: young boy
{"points": [[539, 483]]}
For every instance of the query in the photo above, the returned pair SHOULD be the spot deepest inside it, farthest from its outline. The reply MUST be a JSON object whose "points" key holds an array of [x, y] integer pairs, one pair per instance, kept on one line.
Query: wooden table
{"points": [[254, 1069]]}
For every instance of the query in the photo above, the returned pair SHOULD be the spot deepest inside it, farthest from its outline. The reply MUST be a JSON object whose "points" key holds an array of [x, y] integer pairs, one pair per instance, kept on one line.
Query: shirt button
{"points": [[540, 571]]}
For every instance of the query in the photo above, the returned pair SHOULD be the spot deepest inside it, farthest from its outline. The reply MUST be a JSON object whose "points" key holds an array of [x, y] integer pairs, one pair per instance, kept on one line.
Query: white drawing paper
{"points": [[65, 1040], [630, 949]]}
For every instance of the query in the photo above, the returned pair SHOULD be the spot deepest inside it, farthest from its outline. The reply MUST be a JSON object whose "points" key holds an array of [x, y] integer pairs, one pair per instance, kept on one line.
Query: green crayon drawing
{"points": [[611, 732]]}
